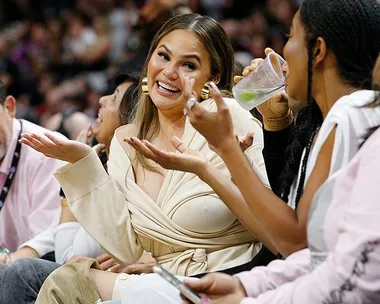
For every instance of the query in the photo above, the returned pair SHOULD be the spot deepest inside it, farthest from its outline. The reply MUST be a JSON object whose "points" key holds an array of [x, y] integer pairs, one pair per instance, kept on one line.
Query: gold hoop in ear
{"points": [[205, 93], [144, 86]]}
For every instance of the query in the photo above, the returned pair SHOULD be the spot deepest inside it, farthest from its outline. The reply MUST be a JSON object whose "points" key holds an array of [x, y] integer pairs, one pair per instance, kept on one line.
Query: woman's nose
{"points": [[171, 71], [102, 101]]}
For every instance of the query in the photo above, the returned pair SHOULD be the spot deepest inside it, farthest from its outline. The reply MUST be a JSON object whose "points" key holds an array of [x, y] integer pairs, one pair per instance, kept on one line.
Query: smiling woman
{"points": [[114, 111], [172, 214], [193, 46]]}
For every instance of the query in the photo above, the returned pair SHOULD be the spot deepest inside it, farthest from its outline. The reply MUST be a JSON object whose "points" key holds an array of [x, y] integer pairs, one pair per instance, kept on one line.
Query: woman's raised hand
{"points": [[55, 146], [187, 160], [217, 126], [85, 135]]}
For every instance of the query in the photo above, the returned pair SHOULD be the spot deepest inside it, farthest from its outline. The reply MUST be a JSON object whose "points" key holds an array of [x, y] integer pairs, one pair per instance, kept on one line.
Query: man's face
{"points": [[5, 129]]}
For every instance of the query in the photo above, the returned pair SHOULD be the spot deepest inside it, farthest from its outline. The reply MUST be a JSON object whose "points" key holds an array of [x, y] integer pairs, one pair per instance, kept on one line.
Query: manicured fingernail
{"points": [[205, 299], [185, 112], [212, 85]]}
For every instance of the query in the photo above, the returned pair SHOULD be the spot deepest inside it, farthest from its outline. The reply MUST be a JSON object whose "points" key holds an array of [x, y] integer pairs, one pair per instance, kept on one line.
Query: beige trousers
{"points": [[70, 283]]}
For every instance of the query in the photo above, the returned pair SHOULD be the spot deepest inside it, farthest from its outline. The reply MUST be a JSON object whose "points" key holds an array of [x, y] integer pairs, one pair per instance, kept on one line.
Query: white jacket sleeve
{"points": [[72, 240], [42, 243], [99, 205]]}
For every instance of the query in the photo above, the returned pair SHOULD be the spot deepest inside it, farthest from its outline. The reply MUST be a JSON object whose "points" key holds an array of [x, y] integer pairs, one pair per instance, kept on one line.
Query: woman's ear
{"points": [[319, 51]]}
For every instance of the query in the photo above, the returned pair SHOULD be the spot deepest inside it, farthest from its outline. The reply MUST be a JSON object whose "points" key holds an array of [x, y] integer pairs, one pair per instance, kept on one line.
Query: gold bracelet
{"points": [[278, 124], [64, 203]]}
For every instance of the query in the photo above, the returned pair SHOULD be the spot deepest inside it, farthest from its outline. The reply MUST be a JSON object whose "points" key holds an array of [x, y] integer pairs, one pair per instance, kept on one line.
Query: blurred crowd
{"points": [[62, 54]]}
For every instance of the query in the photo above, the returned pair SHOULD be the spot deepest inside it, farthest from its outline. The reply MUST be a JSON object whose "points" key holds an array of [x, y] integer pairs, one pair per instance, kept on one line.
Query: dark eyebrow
{"points": [[189, 56]]}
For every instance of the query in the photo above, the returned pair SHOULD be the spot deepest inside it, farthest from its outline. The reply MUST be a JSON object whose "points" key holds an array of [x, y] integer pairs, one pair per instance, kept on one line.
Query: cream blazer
{"points": [[188, 229]]}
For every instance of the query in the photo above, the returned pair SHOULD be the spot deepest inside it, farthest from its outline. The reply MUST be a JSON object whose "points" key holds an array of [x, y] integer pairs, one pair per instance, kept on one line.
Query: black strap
{"points": [[12, 172]]}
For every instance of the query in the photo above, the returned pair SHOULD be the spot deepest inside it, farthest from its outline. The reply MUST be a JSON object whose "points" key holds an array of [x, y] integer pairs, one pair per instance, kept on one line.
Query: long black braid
{"points": [[351, 29]]}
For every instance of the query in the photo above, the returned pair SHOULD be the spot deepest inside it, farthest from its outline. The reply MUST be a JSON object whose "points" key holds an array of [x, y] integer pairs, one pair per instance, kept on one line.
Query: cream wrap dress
{"points": [[188, 229]]}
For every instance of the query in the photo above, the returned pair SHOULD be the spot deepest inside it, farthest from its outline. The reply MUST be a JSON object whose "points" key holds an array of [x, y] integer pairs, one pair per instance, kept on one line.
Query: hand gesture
{"points": [[85, 135], [247, 141], [219, 287], [144, 265], [106, 262], [57, 147], [187, 160], [217, 126]]}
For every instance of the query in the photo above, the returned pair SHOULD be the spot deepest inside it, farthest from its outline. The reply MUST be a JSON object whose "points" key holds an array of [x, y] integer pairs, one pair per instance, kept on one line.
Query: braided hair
{"points": [[351, 30]]}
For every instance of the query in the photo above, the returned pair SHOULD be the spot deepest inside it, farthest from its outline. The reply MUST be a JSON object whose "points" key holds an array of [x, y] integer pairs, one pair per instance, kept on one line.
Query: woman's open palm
{"points": [[55, 146], [187, 160]]}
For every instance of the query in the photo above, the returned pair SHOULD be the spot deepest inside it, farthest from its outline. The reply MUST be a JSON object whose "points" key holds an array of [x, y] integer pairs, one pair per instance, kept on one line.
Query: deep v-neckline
{"points": [[186, 138]]}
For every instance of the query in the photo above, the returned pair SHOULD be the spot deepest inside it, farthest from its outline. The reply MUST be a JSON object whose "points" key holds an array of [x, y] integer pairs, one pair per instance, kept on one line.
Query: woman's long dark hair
{"points": [[351, 29]]}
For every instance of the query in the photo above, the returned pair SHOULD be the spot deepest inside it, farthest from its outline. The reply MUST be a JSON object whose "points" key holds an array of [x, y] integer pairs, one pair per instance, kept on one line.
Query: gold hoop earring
{"points": [[205, 93], [144, 86]]}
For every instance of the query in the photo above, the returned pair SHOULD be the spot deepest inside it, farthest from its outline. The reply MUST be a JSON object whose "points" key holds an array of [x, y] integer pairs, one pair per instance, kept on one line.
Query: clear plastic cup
{"points": [[261, 84]]}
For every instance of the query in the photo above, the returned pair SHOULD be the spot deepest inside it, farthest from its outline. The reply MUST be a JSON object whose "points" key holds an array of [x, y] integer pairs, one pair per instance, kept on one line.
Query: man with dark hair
{"points": [[29, 193]]}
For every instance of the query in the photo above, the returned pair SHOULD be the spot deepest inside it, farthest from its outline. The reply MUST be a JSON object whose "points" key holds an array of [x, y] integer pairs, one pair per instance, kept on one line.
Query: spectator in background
{"points": [[29, 196], [24, 275], [9, 72], [71, 120], [52, 41], [122, 18]]}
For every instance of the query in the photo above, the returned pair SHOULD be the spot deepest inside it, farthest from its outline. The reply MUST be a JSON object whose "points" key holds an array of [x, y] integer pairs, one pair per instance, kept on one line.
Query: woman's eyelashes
{"points": [[190, 65], [163, 55]]}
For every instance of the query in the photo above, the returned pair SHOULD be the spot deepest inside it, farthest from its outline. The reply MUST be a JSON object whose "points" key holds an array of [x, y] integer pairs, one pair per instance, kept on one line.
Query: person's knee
{"points": [[67, 284], [17, 269], [30, 269]]}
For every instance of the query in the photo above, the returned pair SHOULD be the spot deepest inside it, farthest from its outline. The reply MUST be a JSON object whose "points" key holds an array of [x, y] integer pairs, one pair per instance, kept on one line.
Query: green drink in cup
{"points": [[262, 84]]}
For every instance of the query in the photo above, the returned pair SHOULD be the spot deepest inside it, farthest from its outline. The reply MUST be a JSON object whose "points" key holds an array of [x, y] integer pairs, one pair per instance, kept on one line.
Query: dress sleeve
{"points": [[254, 154], [72, 240], [99, 204], [42, 243], [262, 279], [243, 123]]}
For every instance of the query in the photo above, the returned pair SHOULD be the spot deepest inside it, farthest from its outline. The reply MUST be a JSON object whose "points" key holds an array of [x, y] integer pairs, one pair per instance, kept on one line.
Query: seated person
{"points": [[68, 239], [174, 215], [29, 193], [72, 119]]}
